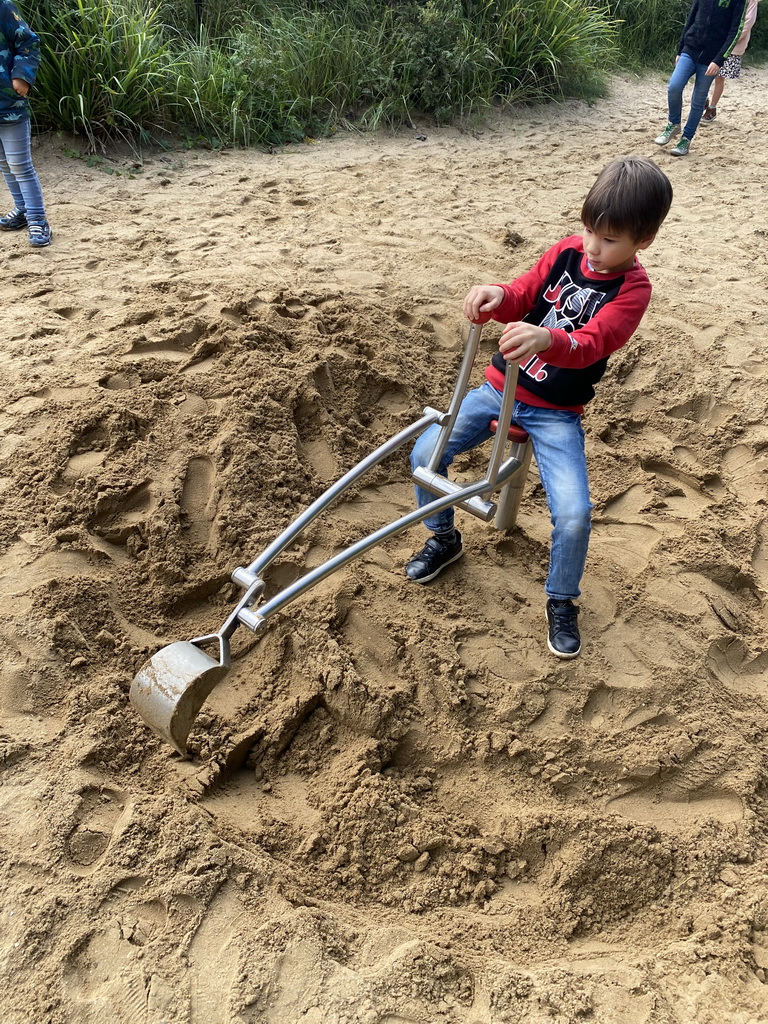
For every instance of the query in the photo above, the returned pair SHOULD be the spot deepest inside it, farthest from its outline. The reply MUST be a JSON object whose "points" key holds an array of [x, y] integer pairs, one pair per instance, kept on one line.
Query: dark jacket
{"points": [[712, 29], [19, 58]]}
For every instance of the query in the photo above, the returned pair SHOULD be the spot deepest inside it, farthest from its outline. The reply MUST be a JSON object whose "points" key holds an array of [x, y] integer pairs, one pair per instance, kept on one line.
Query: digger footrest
{"points": [[514, 433]]}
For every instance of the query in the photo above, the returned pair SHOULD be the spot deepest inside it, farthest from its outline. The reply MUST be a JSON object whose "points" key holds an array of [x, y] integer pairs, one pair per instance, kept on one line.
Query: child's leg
{"points": [[558, 447], [717, 92], [684, 69], [471, 428], [698, 100], [19, 172], [10, 179]]}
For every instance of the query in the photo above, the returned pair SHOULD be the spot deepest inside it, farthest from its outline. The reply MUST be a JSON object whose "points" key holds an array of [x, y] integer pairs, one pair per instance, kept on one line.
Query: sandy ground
{"points": [[398, 807]]}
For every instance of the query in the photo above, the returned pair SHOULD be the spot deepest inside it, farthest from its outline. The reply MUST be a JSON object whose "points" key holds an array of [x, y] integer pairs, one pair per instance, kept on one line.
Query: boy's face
{"points": [[610, 252]]}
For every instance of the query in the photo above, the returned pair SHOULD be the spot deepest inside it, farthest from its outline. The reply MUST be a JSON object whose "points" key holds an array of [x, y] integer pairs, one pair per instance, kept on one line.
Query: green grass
{"points": [[105, 70], [251, 72]]}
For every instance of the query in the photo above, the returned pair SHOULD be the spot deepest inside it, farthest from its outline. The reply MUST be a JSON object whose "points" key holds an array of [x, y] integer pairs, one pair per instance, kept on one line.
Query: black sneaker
{"points": [[434, 556], [563, 636]]}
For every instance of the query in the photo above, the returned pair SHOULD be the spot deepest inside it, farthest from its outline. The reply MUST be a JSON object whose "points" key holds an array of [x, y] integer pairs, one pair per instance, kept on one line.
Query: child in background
{"points": [[732, 66], [707, 40], [19, 60], [582, 301]]}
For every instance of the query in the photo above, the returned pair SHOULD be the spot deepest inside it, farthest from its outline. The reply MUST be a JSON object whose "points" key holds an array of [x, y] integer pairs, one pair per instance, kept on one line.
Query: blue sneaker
{"points": [[14, 220], [40, 235]]}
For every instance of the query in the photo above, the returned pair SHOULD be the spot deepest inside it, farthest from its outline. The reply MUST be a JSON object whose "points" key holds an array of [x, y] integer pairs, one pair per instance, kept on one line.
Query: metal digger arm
{"points": [[169, 690]]}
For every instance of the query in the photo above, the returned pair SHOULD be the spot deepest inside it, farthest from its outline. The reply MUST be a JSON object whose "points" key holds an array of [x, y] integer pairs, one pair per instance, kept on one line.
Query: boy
{"points": [[709, 35], [582, 300]]}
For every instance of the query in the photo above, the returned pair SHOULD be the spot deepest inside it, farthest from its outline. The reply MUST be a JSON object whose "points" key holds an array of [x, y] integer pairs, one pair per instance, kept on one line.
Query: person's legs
{"points": [[10, 179], [471, 428], [684, 70], [698, 100], [558, 447], [19, 172]]}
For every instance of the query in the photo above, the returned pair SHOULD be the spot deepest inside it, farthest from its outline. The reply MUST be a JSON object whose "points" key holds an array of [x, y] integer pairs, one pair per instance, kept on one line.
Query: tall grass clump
{"points": [[278, 80], [106, 67], [549, 49], [648, 30]]}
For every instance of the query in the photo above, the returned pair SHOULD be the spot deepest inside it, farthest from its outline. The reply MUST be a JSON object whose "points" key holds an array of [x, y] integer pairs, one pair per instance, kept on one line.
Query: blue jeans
{"points": [[19, 174], [558, 447], [685, 69]]}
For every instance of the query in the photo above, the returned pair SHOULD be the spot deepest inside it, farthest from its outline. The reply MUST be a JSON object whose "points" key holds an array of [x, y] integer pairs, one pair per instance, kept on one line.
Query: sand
{"points": [[398, 807]]}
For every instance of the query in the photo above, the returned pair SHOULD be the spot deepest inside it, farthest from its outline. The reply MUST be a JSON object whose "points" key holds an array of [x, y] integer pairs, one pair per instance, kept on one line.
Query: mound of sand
{"points": [[399, 808]]}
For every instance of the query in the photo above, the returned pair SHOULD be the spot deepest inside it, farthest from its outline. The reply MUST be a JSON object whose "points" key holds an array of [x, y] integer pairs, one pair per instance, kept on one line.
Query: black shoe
{"points": [[563, 636], [434, 556]]}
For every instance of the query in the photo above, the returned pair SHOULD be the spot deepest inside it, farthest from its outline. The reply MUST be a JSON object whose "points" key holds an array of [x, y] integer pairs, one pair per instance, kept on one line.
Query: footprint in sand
{"points": [[746, 472], [177, 347], [214, 957], [671, 808], [372, 650], [89, 450], [730, 663], [760, 556], [119, 515], [309, 418], [291, 309], [671, 778], [105, 981], [120, 381], [680, 492], [704, 408], [96, 819], [198, 501], [394, 400]]}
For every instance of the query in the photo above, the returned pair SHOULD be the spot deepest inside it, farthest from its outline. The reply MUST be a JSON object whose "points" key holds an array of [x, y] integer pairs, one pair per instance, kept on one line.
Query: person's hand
{"points": [[712, 70], [20, 86], [677, 58], [483, 298], [520, 340]]}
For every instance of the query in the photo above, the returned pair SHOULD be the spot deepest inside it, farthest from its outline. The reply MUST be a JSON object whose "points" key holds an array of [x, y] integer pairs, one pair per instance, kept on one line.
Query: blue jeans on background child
{"points": [[558, 447], [685, 69], [18, 171]]}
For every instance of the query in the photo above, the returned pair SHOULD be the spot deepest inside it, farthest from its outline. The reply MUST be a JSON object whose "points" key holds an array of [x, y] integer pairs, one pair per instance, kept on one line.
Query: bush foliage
{"points": [[249, 72]]}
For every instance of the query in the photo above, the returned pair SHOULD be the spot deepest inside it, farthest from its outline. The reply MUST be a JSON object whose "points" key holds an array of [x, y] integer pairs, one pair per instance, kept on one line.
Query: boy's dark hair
{"points": [[632, 195]]}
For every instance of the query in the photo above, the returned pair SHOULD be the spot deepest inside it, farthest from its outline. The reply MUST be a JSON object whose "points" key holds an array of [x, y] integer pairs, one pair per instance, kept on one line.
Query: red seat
{"points": [[514, 433]]}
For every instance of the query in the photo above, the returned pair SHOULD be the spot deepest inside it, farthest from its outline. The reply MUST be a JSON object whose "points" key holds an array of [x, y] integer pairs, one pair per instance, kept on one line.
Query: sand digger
{"points": [[170, 689]]}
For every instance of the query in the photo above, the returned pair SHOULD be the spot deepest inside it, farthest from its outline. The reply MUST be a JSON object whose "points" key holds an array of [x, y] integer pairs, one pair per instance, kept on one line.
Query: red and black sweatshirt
{"points": [[588, 314]]}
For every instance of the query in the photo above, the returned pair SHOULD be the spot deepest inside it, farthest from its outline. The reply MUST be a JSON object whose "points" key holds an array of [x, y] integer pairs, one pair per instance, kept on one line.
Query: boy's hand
{"points": [[20, 86], [520, 340], [483, 298], [712, 70]]}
